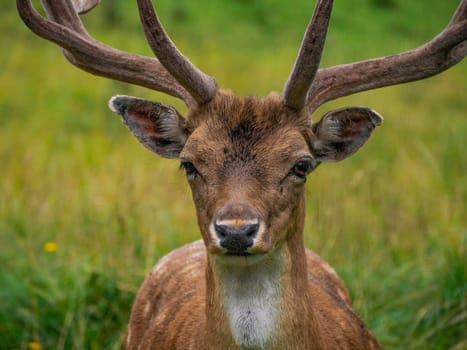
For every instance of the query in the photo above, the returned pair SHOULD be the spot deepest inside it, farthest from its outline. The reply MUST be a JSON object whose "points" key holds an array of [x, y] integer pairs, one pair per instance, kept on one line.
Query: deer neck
{"points": [[264, 304]]}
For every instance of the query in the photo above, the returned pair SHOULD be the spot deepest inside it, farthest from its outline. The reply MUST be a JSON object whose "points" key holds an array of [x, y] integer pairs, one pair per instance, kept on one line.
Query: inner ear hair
{"points": [[158, 127], [340, 133]]}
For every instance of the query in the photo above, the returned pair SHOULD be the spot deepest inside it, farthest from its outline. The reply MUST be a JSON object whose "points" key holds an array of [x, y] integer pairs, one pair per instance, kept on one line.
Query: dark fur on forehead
{"points": [[229, 111], [241, 124]]}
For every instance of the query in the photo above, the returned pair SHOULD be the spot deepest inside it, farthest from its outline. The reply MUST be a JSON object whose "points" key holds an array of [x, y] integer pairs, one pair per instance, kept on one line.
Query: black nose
{"points": [[236, 239]]}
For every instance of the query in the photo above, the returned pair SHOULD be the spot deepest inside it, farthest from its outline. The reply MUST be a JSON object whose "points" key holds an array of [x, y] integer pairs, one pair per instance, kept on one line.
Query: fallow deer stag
{"points": [[250, 283]]}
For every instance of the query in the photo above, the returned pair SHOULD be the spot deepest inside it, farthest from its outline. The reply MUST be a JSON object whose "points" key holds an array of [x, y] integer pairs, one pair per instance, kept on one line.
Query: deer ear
{"points": [[342, 132], [158, 127]]}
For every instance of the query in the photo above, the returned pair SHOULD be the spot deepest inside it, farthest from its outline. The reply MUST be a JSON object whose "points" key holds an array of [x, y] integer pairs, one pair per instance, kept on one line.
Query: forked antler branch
{"points": [[175, 75], [444, 51], [64, 28]]}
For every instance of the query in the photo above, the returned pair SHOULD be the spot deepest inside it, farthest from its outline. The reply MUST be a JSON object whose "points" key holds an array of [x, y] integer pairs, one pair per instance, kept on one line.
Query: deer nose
{"points": [[236, 239]]}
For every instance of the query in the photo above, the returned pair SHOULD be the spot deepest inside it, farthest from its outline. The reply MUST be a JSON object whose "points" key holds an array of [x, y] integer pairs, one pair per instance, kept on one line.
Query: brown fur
{"points": [[243, 150], [161, 320]]}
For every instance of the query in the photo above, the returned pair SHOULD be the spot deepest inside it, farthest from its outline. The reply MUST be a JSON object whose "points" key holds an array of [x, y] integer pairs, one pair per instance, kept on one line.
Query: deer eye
{"points": [[302, 168], [189, 168]]}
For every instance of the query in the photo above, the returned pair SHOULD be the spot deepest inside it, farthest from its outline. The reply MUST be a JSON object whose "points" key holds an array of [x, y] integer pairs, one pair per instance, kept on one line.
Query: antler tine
{"points": [[460, 14], [63, 12], [309, 57], [201, 86], [83, 6], [65, 29], [444, 51]]}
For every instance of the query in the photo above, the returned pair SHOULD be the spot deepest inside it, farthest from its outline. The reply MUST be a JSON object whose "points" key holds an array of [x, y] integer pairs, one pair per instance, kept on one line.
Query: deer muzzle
{"points": [[236, 228]]}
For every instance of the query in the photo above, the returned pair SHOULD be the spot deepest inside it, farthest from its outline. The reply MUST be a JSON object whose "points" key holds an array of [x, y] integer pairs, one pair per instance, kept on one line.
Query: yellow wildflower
{"points": [[50, 247], [34, 345]]}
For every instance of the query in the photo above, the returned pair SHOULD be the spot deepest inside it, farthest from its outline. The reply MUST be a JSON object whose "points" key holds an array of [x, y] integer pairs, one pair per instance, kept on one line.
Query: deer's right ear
{"points": [[158, 127]]}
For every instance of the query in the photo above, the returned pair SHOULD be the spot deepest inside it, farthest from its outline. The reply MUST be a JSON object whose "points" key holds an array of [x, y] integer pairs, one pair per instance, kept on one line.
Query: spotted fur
{"points": [[277, 295]]}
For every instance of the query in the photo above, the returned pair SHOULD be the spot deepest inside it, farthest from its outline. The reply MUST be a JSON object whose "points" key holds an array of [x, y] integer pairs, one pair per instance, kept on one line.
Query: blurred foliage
{"points": [[391, 220]]}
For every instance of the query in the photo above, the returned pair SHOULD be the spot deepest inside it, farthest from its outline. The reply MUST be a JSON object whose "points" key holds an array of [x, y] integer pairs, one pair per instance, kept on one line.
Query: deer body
{"points": [[250, 283], [293, 319]]}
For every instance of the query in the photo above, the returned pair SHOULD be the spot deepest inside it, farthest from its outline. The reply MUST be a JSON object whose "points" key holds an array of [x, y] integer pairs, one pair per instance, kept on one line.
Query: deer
{"points": [[249, 283]]}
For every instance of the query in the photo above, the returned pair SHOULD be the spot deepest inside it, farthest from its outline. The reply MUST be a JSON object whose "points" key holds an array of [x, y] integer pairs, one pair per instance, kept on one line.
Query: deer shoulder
{"points": [[176, 286]]}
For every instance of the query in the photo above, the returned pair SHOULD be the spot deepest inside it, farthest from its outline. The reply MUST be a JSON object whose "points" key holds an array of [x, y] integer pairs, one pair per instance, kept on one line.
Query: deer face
{"points": [[246, 160]]}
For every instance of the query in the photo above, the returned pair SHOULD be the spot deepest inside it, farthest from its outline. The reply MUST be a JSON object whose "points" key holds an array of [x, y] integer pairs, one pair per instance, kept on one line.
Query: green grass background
{"points": [[391, 220]]}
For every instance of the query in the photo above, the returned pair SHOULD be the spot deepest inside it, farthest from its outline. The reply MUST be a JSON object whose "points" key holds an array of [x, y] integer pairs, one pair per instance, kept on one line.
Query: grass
{"points": [[391, 220]]}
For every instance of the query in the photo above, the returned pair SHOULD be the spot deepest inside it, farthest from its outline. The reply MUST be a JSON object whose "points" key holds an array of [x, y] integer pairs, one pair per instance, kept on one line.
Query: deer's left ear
{"points": [[342, 132], [158, 127]]}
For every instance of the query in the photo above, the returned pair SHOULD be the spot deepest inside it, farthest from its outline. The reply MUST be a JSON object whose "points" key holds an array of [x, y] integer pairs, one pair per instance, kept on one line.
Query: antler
{"points": [[445, 50], [201, 86], [309, 56], [64, 28]]}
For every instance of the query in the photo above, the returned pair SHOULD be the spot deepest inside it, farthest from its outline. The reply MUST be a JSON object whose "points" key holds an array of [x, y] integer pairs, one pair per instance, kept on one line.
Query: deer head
{"points": [[246, 159]]}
